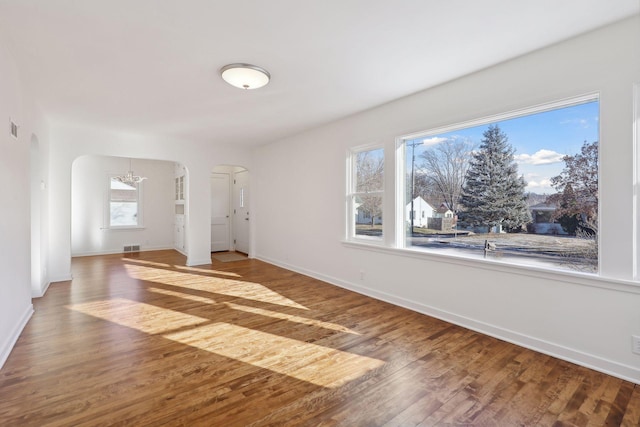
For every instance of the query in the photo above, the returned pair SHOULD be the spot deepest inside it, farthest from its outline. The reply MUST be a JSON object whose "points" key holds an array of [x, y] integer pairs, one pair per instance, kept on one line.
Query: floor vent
{"points": [[132, 248]]}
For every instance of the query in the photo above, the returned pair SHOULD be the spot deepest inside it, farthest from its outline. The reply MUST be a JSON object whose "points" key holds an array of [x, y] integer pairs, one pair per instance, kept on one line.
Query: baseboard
{"points": [[609, 367], [42, 291], [119, 251], [11, 340], [192, 263], [64, 278]]}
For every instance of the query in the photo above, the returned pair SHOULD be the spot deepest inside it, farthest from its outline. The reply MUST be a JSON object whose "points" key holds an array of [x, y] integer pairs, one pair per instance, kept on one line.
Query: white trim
{"points": [[124, 228], [400, 242], [64, 278], [192, 263], [351, 193], [11, 340], [540, 108], [507, 267], [42, 290], [119, 251], [609, 367], [636, 181], [139, 205]]}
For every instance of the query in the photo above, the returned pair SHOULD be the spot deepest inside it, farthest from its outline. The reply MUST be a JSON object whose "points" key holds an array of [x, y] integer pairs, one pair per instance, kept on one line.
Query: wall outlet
{"points": [[635, 344], [361, 274]]}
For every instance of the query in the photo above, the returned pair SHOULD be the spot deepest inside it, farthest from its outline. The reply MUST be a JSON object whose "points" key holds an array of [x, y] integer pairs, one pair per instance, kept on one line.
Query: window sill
{"points": [[124, 228], [367, 240], [504, 267]]}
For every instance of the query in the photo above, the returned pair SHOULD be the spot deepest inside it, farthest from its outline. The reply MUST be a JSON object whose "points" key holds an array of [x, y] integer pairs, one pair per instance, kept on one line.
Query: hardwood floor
{"points": [[144, 340]]}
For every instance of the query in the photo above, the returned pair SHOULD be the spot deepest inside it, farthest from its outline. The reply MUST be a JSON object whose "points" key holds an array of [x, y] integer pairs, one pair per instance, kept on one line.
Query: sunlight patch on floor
{"points": [[317, 364], [204, 270], [323, 366], [145, 262], [137, 315], [182, 295], [251, 291], [291, 318], [178, 267], [229, 287]]}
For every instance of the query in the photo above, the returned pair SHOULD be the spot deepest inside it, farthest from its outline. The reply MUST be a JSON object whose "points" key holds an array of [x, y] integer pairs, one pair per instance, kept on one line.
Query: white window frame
{"points": [[636, 174], [139, 199], [401, 240], [351, 211]]}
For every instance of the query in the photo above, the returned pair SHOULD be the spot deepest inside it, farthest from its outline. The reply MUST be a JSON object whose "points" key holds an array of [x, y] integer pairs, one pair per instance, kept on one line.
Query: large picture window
{"points": [[521, 188], [366, 193], [124, 204]]}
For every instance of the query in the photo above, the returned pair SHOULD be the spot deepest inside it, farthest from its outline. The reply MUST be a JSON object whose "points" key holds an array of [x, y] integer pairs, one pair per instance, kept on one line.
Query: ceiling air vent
{"points": [[14, 129]]}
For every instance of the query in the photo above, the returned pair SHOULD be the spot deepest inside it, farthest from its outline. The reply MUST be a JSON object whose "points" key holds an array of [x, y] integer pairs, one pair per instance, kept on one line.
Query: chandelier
{"points": [[129, 178]]}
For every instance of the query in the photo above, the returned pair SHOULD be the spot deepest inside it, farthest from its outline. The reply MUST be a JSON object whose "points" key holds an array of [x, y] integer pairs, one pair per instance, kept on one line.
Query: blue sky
{"points": [[540, 140]]}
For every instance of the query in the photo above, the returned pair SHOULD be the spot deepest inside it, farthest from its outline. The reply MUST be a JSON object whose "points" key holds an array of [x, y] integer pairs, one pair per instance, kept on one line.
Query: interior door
{"points": [[241, 211], [220, 212]]}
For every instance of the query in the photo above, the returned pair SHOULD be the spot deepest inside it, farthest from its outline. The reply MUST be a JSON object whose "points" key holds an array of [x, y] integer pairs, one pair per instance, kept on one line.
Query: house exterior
{"points": [[542, 221], [364, 217], [444, 211], [422, 211]]}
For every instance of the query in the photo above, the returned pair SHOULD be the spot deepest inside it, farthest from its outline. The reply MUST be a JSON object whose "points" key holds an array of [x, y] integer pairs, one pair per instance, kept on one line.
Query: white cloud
{"points": [[583, 123], [541, 157], [540, 185], [434, 140], [544, 183]]}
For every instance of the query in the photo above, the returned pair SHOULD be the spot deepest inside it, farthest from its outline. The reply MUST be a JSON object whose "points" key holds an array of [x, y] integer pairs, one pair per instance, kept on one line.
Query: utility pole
{"points": [[413, 180]]}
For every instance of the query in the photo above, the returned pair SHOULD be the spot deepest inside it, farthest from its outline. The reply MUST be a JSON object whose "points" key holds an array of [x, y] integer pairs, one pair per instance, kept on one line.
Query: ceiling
{"points": [[151, 66]]}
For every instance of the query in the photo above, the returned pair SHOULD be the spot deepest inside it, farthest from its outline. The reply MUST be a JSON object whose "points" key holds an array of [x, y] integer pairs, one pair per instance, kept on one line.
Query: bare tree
{"points": [[577, 187], [445, 167], [369, 183], [577, 199], [425, 188]]}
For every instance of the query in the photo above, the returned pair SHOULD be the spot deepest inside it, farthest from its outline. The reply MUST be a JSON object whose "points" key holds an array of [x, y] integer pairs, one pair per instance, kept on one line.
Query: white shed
{"points": [[422, 211]]}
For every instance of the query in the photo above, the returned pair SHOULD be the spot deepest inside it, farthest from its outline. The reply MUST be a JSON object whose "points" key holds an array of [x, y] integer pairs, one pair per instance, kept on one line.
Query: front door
{"points": [[220, 212], [241, 211]]}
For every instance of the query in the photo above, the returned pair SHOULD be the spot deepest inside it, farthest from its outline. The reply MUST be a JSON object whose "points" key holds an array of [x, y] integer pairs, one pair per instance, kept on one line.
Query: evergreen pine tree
{"points": [[494, 194]]}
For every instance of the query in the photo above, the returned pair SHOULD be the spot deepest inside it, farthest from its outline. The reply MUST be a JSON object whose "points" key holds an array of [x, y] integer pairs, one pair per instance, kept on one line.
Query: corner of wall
{"points": [[10, 341]]}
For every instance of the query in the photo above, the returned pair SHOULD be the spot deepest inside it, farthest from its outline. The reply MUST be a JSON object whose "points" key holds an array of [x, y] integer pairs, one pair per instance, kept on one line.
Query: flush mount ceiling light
{"points": [[245, 76]]}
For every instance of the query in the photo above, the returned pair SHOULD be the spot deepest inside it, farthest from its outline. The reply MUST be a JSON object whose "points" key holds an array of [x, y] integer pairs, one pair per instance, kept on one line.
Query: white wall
{"points": [[589, 321], [39, 170], [15, 193], [90, 234], [68, 142]]}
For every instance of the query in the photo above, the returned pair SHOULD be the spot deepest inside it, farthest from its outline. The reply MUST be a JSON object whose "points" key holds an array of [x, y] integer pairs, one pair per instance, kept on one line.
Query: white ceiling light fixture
{"points": [[245, 76]]}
